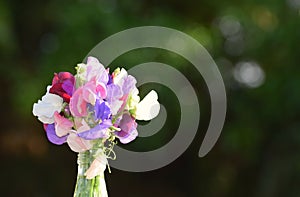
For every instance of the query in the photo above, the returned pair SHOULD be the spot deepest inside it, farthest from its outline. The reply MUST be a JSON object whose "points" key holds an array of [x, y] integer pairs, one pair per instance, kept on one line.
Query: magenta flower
{"points": [[63, 85]]}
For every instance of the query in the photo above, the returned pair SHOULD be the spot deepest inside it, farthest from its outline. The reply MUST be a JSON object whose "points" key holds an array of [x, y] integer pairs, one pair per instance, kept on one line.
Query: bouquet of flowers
{"points": [[89, 112]]}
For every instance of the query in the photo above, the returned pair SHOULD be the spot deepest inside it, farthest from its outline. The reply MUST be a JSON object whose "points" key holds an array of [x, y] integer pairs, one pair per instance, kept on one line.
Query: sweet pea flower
{"points": [[84, 95], [133, 100], [119, 76], [92, 70], [92, 108], [114, 94], [46, 107], [63, 125], [78, 106], [95, 70], [76, 143], [127, 85], [102, 110], [128, 129], [93, 90], [148, 108], [97, 167], [101, 90], [124, 81], [63, 85], [99, 131], [89, 93], [51, 135]]}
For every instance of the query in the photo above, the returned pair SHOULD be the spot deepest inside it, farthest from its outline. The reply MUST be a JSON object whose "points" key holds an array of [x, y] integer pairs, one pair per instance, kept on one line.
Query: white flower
{"points": [[148, 108], [46, 107], [120, 77], [134, 99]]}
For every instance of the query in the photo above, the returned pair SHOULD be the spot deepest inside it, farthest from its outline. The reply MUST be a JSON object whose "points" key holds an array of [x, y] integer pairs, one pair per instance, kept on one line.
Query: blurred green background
{"points": [[255, 45]]}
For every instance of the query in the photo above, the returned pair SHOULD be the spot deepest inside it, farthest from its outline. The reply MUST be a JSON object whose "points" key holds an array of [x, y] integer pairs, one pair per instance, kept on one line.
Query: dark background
{"points": [[255, 45]]}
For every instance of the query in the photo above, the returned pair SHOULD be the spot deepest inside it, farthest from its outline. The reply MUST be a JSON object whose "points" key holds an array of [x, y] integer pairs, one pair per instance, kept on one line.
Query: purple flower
{"points": [[128, 129], [102, 110], [129, 84], [51, 135], [99, 131], [114, 94], [110, 79]]}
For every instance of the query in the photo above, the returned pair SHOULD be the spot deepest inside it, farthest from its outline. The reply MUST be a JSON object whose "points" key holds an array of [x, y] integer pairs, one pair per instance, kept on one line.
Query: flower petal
{"points": [[128, 137], [52, 137], [129, 84], [128, 129], [95, 70], [46, 107], [102, 110], [89, 92], [148, 108], [68, 87], [81, 125], [99, 131], [115, 105], [101, 90], [97, 167], [62, 125], [78, 144], [113, 92], [78, 106]]}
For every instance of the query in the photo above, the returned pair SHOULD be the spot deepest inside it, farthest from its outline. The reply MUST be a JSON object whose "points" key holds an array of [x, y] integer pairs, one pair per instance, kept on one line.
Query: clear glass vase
{"points": [[95, 187]]}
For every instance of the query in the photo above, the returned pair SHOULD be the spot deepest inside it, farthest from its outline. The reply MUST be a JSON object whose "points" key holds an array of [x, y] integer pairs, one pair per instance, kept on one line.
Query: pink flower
{"points": [[95, 70], [101, 90], [97, 167], [76, 143], [62, 125], [89, 92], [78, 106], [84, 95]]}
